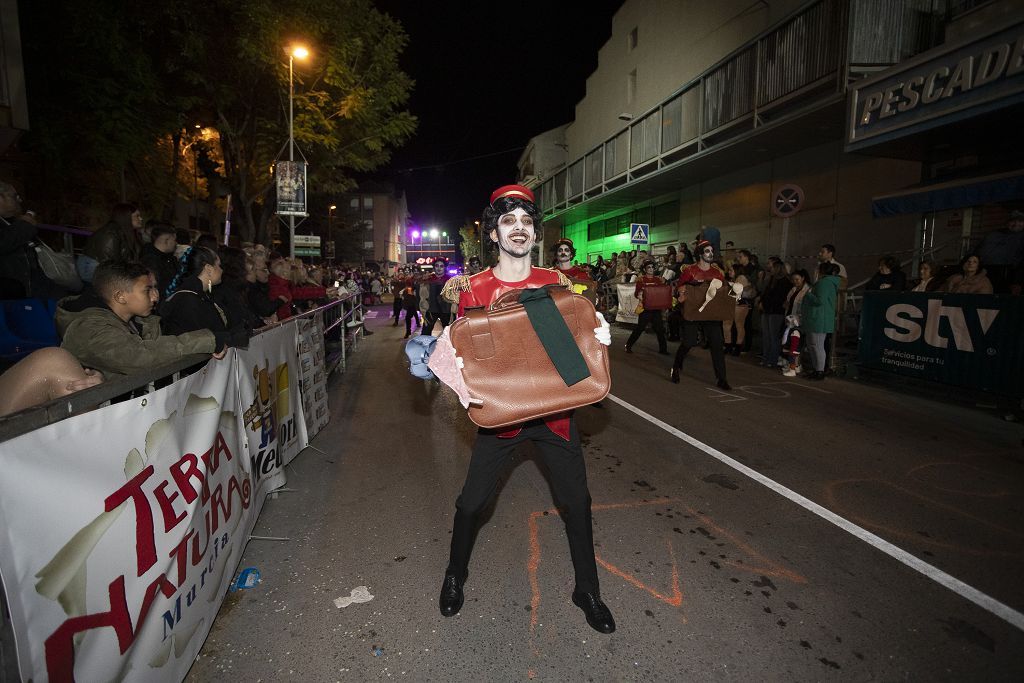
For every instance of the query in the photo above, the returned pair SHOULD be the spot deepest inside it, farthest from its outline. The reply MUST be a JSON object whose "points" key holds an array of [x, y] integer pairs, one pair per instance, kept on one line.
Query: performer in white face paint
{"points": [[697, 274], [513, 222]]}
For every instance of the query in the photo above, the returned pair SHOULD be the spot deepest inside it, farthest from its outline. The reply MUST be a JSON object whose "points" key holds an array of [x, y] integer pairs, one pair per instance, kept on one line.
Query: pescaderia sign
{"points": [[940, 86], [968, 340], [123, 527]]}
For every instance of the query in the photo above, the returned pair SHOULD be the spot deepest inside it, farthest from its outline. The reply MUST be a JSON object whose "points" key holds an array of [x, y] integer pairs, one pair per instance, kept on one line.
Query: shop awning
{"points": [[951, 194]]}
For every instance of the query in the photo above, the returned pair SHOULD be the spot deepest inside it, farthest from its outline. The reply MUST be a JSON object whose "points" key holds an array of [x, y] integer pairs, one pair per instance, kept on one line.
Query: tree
{"points": [[348, 96], [115, 106]]}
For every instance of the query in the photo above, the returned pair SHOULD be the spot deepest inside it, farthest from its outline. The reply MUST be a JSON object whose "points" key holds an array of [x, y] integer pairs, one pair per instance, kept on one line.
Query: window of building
{"points": [[367, 202], [631, 87], [353, 203], [632, 39]]}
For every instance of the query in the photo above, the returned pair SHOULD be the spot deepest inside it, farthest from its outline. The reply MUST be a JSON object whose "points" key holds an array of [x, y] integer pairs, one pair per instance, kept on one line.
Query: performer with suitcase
{"points": [[513, 223], [651, 315], [704, 271]]}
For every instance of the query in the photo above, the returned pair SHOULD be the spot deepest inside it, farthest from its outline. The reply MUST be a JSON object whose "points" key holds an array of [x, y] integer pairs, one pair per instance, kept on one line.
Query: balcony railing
{"points": [[792, 68]]}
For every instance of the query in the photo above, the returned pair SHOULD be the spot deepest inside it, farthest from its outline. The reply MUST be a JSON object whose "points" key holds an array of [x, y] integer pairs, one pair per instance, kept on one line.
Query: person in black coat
{"points": [[889, 277], [158, 255], [231, 293], [190, 305], [258, 291]]}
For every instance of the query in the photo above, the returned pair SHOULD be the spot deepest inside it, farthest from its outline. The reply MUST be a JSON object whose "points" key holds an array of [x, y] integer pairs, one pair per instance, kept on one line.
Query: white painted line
{"points": [[986, 602]]}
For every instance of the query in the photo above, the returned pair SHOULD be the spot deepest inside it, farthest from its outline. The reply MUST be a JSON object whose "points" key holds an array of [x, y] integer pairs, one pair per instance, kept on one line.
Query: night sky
{"points": [[485, 85]]}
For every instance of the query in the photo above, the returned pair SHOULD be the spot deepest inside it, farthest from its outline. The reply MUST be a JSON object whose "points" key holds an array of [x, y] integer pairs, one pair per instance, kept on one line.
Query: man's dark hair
{"points": [[232, 260], [572, 247], [160, 229], [830, 247], [114, 276], [507, 205], [826, 268]]}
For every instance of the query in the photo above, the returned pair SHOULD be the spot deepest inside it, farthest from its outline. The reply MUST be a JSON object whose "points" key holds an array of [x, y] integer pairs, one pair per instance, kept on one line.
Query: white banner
{"points": [[626, 312], [122, 528], [313, 374], [268, 388]]}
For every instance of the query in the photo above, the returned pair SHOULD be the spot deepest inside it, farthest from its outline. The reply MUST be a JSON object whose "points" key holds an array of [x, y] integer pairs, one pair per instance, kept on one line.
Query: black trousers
{"points": [[411, 313], [568, 472], [649, 318], [712, 330], [429, 318], [396, 309]]}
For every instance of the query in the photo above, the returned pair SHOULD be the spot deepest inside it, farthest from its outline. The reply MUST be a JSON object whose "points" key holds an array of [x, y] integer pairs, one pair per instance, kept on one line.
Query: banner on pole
{"points": [[313, 374], [291, 188]]}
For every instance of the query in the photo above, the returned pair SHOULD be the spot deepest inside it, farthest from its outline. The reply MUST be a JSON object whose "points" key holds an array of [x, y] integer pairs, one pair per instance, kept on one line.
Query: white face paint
{"points": [[563, 254], [707, 254], [515, 234]]}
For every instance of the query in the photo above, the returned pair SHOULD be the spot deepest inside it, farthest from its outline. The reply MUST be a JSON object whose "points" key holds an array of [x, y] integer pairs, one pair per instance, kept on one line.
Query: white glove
{"points": [[604, 332]]}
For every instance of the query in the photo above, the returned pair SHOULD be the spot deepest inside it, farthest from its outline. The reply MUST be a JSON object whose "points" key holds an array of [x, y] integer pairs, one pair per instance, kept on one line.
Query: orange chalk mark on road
{"points": [[768, 567], [676, 600]]}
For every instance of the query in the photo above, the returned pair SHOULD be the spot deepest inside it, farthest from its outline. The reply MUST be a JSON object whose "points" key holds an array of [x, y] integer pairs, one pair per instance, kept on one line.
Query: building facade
{"points": [[717, 114], [381, 216]]}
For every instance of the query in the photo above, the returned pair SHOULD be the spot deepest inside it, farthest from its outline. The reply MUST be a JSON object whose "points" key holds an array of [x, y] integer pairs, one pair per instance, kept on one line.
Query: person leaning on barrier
{"points": [[41, 377], [112, 330], [230, 294], [190, 304]]}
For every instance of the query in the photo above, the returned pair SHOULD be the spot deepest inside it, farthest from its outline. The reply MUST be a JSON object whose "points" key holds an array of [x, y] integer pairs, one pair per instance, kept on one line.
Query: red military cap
{"points": [[513, 191]]}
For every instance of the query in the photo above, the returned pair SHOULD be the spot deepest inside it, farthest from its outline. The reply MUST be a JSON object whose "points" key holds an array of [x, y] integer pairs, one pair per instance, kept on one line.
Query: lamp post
{"points": [[480, 237], [296, 52]]}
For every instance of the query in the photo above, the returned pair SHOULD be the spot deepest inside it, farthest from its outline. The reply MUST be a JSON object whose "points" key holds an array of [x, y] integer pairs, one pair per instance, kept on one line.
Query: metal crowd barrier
{"points": [[341, 316]]}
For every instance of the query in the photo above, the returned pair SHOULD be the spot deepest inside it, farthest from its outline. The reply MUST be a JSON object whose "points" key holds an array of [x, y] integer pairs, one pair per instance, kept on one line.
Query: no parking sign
{"points": [[787, 201]]}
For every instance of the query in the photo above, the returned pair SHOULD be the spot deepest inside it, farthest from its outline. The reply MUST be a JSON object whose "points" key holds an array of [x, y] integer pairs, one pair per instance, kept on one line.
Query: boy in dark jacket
{"points": [[158, 255]]}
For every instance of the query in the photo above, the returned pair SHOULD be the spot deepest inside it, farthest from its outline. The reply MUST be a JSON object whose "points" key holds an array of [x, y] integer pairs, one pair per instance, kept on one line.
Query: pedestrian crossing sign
{"points": [[639, 233]]}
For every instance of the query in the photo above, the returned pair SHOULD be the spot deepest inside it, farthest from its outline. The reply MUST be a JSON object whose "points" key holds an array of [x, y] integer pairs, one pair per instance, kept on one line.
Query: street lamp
{"points": [[480, 237], [296, 52]]}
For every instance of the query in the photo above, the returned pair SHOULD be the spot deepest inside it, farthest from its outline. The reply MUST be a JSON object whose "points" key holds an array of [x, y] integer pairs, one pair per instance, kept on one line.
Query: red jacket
{"points": [[279, 287]]}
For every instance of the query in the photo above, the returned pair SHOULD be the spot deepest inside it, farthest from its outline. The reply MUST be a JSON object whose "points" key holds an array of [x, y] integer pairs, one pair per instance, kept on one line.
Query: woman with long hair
{"points": [[190, 305]]}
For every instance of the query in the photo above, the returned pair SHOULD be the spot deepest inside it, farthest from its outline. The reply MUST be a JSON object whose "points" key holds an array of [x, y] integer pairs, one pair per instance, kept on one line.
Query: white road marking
{"points": [[986, 602]]}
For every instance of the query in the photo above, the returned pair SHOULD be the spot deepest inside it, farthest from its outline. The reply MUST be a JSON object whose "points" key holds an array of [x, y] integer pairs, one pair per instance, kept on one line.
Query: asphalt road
{"points": [[786, 530]]}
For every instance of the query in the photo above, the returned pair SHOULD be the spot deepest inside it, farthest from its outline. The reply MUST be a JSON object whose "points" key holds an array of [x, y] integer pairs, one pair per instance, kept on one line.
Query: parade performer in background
{"points": [[436, 307], [699, 273], [565, 253], [513, 223], [648, 316]]}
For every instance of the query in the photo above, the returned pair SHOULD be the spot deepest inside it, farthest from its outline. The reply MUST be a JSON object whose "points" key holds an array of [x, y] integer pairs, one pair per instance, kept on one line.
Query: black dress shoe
{"points": [[451, 595], [723, 385], [628, 349], [598, 615], [673, 375]]}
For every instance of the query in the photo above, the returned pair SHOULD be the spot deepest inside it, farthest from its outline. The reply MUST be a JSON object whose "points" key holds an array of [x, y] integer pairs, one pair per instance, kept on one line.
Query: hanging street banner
{"points": [[966, 340], [639, 233], [291, 188], [124, 526]]}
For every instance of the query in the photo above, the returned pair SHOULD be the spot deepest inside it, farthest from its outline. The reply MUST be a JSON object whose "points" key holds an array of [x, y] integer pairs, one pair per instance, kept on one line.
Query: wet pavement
{"points": [[713, 571]]}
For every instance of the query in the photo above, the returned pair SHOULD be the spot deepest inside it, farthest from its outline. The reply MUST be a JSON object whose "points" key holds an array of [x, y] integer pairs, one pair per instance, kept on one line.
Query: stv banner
{"points": [[967, 340]]}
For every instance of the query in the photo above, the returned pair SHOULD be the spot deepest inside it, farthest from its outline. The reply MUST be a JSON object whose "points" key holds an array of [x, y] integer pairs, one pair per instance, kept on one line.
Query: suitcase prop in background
{"points": [[657, 297], [531, 354], [712, 300]]}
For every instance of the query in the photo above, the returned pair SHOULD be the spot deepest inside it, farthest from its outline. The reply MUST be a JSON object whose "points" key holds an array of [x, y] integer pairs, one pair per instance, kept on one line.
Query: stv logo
{"points": [[905, 329]]}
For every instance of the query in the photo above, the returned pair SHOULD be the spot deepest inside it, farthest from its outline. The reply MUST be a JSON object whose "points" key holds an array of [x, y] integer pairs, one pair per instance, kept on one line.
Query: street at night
{"points": [[710, 573]]}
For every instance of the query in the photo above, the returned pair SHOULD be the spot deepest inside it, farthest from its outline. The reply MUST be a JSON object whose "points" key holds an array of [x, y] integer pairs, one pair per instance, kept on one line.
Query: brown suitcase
{"points": [[507, 367], [658, 297], [722, 307]]}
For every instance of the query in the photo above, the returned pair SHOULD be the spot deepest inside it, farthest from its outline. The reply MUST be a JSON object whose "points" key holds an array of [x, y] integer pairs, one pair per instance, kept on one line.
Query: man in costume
{"points": [[436, 307], [565, 252], [513, 223], [647, 316], [700, 272]]}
